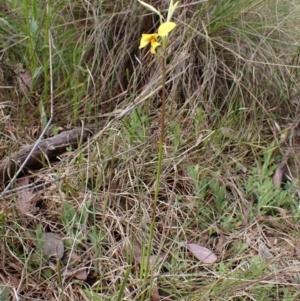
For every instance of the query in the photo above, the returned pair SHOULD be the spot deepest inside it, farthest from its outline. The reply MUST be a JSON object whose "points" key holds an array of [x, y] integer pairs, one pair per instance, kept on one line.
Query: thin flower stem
{"points": [[162, 134], [159, 163]]}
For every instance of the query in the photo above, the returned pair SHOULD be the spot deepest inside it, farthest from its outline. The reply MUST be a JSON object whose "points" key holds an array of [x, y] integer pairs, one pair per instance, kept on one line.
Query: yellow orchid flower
{"points": [[152, 38]]}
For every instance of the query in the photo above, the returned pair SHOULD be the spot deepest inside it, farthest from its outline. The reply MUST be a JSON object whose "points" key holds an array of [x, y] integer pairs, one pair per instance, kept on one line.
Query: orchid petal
{"points": [[146, 39], [154, 45], [165, 28]]}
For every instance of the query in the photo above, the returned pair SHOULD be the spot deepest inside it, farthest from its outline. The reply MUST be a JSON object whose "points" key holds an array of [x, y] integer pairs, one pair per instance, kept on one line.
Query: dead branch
{"points": [[48, 148]]}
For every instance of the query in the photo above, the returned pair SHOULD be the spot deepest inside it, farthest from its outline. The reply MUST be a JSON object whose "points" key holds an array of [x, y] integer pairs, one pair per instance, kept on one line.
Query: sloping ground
{"points": [[232, 117]]}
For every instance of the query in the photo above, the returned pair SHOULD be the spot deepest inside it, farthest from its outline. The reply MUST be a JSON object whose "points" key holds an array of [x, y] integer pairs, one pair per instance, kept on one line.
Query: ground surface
{"points": [[81, 229]]}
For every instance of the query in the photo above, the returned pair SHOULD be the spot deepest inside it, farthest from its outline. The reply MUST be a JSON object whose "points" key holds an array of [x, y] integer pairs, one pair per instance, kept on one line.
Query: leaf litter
{"points": [[202, 253], [27, 199], [281, 170], [72, 259], [53, 245]]}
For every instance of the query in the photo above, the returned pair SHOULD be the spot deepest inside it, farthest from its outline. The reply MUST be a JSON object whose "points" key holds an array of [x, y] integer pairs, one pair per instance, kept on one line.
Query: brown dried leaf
{"points": [[247, 211], [73, 258], [114, 189], [70, 258], [203, 254], [266, 254], [155, 294], [156, 297], [227, 132], [137, 252], [53, 245], [220, 243], [22, 182], [81, 274], [114, 186], [67, 273], [199, 139], [26, 198], [281, 171], [279, 174], [24, 80]]}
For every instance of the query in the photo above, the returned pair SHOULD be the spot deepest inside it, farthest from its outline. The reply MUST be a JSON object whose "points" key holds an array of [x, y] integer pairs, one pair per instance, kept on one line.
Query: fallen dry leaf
{"points": [[67, 273], [247, 211], [24, 80], [279, 174], [266, 254], [73, 258], [81, 274], [26, 198], [199, 139], [201, 253], [220, 243], [53, 245], [227, 132], [137, 252], [114, 186], [281, 170], [155, 294], [70, 258]]}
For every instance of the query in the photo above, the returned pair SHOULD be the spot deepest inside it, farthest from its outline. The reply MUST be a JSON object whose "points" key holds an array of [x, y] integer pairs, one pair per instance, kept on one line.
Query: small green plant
{"points": [[138, 126], [261, 189], [200, 185], [176, 139], [74, 221], [218, 192], [54, 131], [4, 293]]}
